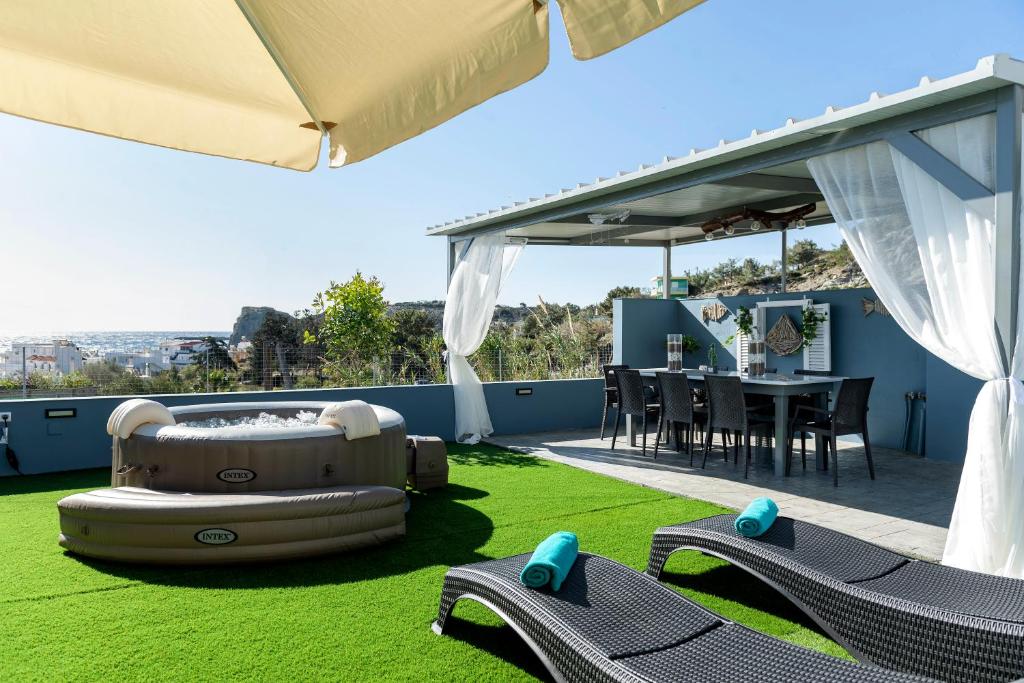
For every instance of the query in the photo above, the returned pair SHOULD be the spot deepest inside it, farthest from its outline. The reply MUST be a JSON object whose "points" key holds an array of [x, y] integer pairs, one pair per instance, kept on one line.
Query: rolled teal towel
{"points": [[757, 518], [551, 561]]}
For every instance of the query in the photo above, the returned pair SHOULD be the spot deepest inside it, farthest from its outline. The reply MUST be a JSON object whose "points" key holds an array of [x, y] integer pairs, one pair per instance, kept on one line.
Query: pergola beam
{"points": [[763, 181], [693, 219], [951, 176], [976, 105]]}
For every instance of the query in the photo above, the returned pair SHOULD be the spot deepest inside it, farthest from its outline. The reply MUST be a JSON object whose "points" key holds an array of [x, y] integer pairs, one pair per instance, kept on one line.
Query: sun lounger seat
{"points": [[611, 623], [884, 608]]}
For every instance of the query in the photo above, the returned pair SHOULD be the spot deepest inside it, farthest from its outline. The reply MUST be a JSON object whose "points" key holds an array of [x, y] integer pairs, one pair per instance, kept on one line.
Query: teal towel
{"points": [[551, 561], [757, 518]]}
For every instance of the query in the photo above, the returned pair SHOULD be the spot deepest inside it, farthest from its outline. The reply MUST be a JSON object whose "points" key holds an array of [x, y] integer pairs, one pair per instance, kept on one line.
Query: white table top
{"points": [[770, 379]]}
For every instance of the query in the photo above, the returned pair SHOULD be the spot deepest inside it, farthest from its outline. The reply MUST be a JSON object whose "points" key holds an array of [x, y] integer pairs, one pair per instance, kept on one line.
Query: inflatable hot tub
{"points": [[194, 455], [241, 482]]}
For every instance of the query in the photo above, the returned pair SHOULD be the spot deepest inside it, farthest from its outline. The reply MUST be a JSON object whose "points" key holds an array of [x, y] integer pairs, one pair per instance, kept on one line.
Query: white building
{"points": [[59, 357]]}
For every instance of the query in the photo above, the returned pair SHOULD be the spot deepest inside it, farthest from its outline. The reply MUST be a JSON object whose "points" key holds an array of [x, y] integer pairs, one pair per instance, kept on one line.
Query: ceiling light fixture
{"points": [[608, 217]]}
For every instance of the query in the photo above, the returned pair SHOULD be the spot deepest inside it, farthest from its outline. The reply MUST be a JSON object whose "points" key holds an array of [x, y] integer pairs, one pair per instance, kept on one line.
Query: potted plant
{"points": [[689, 344], [712, 365], [809, 327]]}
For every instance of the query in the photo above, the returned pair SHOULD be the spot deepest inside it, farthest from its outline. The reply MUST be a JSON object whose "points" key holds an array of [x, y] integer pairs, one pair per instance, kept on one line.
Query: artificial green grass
{"points": [[359, 616]]}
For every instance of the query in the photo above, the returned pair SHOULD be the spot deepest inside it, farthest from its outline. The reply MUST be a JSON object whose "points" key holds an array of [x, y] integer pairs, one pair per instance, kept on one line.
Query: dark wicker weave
{"points": [[633, 400], [728, 412], [611, 392], [677, 409], [850, 416], [611, 623], [886, 609]]}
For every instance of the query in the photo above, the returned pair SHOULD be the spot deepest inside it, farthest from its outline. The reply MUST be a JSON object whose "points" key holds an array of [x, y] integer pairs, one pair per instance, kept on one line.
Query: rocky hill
{"points": [[249, 320], [810, 268]]}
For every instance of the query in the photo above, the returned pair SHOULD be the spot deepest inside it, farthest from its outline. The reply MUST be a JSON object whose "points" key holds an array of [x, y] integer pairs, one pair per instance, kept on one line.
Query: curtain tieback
{"points": [[1016, 388]]}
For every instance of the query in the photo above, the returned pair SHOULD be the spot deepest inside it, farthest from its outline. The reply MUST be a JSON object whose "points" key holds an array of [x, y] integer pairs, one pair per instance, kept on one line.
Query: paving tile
{"points": [[907, 507]]}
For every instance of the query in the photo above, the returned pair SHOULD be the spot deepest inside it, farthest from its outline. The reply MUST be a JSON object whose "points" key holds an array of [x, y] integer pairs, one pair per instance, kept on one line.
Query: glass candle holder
{"points": [[675, 352], [757, 356]]}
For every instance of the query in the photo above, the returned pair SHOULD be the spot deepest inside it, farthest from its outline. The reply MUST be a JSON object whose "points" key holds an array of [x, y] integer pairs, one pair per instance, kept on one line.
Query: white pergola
{"points": [[925, 186]]}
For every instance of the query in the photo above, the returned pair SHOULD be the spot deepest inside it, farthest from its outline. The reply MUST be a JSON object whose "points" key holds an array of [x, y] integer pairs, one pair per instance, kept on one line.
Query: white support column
{"points": [[666, 292], [451, 261], [1007, 217], [785, 259]]}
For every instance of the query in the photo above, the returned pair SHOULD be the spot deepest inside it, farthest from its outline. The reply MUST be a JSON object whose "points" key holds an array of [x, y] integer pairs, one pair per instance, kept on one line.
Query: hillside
{"points": [[810, 268]]}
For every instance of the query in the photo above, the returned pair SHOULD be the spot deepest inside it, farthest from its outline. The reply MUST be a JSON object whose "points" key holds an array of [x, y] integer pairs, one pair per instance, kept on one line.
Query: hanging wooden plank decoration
{"points": [[784, 339], [715, 311]]}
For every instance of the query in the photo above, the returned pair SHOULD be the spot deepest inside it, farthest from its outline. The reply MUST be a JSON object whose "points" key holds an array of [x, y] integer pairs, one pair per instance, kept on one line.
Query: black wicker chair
{"points": [[678, 410], [728, 412], [611, 623], [849, 416], [611, 392], [635, 401], [806, 400], [884, 608]]}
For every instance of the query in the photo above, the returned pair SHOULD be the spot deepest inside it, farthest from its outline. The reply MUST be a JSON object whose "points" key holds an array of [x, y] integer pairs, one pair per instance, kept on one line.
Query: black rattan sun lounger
{"points": [[884, 608], [611, 623]]}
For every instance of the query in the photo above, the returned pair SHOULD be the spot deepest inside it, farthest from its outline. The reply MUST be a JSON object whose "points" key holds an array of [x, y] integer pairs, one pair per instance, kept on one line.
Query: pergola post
{"points": [[451, 262], [666, 263], [1007, 216], [785, 258]]}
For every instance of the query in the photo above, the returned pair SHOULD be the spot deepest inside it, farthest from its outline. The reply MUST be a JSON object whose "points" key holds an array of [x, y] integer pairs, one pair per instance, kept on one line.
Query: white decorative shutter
{"points": [[818, 354], [741, 351]]}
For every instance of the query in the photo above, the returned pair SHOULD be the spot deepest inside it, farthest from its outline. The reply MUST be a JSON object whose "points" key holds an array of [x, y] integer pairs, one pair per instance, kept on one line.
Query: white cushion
{"points": [[356, 418], [136, 412]]}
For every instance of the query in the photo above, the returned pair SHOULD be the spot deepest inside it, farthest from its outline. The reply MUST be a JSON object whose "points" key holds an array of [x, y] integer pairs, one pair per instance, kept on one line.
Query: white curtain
{"points": [[930, 257], [479, 275]]}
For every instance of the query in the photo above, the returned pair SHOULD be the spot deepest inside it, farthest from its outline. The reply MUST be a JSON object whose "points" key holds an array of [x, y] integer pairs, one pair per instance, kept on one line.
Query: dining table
{"points": [[781, 387]]}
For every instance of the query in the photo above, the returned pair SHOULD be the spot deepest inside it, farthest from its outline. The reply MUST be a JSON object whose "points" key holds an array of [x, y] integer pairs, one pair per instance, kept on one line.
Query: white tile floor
{"points": [[906, 508]]}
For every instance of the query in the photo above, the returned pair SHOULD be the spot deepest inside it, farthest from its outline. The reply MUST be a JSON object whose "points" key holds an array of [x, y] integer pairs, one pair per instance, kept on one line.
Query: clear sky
{"points": [[98, 233]]}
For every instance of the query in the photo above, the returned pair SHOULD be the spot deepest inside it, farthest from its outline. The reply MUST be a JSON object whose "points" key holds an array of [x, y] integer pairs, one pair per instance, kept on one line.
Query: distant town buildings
{"points": [[59, 357], [62, 357]]}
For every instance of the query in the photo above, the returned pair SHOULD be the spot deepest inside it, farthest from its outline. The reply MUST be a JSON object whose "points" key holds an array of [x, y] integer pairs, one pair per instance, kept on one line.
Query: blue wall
{"points": [[862, 346], [53, 445]]}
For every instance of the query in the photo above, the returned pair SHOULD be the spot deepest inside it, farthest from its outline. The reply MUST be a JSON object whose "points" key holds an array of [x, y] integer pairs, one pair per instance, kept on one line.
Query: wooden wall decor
{"points": [[874, 306], [715, 311], [784, 339]]}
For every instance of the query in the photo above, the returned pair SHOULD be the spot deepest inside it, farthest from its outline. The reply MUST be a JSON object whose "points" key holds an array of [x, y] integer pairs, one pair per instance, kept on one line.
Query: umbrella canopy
{"points": [[262, 80]]}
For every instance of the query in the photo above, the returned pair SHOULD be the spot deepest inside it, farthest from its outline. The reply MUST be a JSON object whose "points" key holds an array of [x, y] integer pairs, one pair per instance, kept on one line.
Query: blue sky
{"points": [[98, 233]]}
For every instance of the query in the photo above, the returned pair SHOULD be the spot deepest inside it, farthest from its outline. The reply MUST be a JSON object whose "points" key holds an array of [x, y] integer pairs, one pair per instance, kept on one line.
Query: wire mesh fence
{"points": [[274, 367]]}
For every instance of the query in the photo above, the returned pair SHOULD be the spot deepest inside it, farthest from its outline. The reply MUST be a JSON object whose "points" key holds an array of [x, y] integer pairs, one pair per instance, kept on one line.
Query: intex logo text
{"points": [[236, 475], [216, 536]]}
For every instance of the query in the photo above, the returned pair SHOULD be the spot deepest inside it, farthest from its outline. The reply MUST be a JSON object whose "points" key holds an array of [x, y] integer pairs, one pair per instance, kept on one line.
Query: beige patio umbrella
{"points": [[262, 80]]}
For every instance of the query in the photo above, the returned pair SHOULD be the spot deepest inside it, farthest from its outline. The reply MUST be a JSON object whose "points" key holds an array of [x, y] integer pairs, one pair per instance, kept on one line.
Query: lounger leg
{"points": [[803, 449], [604, 417], [736, 448], [725, 445], [867, 451], [618, 419]]}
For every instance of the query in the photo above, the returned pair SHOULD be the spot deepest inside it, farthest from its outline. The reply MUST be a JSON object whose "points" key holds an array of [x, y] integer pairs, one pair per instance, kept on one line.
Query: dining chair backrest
{"points": [[852, 403], [608, 371], [727, 408], [631, 392], [813, 373], [676, 398]]}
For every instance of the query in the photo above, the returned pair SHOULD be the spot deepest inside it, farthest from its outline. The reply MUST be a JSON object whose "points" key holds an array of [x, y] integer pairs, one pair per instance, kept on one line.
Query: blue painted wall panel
{"points": [[74, 443], [639, 330], [951, 396]]}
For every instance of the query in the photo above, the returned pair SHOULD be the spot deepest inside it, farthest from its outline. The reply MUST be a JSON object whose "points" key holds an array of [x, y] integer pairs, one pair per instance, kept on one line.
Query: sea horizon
{"points": [[107, 340]]}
